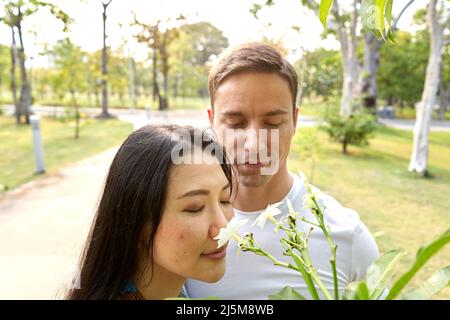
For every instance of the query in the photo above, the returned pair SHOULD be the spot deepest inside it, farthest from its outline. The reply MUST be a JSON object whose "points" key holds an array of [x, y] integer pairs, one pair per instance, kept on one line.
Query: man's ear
{"points": [[296, 109], [211, 117]]}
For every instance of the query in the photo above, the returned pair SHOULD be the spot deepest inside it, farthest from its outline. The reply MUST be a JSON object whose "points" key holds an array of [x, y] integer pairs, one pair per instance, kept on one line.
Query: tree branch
{"points": [[105, 5], [312, 4], [394, 26]]}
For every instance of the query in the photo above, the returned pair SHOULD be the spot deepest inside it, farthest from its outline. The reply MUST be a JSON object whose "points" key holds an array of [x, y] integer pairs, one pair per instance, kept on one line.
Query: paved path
{"points": [[43, 225], [436, 125]]}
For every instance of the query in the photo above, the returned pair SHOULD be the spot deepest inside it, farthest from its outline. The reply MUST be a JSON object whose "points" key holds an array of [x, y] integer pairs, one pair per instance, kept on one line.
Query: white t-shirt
{"points": [[249, 276]]}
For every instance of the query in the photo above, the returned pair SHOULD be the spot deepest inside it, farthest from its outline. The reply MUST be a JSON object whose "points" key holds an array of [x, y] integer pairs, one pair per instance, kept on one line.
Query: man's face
{"points": [[246, 105]]}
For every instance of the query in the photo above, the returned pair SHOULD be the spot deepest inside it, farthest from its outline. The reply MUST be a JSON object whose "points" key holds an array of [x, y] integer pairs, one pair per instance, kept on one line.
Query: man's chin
{"points": [[251, 177]]}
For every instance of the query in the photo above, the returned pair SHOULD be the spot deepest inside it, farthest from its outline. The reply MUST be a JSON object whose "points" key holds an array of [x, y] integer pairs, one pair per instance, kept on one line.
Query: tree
{"points": [[375, 18], [368, 77], [438, 19], [192, 50], [105, 114], [4, 68], [322, 74], [356, 129], [94, 75], [158, 37], [118, 75], [444, 89], [16, 12], [400, 77], [69, 61]]}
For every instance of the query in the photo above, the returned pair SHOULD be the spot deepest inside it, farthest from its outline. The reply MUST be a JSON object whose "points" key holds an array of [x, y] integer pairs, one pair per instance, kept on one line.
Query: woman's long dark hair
{"points": [[133, 199]]}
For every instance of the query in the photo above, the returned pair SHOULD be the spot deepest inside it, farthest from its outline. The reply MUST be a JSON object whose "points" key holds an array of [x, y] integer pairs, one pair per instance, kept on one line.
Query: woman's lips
{"points": [[217, 254]]}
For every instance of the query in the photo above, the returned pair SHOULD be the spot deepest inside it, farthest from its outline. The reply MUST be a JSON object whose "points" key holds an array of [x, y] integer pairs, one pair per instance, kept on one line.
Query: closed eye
{"points": [[272, 125], [236, 125], [194, 210]]}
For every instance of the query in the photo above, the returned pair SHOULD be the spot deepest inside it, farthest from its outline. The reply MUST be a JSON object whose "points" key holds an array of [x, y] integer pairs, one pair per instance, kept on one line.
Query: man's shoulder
{"points": [[335, 214]]}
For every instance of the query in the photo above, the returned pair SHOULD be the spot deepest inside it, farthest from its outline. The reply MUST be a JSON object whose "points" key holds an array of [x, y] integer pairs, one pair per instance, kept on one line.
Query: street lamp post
{"points": [[37, 144]]}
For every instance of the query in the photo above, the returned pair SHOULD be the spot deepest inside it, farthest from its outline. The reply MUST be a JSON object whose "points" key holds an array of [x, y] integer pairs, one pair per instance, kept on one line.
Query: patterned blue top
{"points": [[131, 288]]}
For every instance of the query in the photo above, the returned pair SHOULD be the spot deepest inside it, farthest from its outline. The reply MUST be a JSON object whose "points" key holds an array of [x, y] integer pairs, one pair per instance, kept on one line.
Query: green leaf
{"points": [[356, 291], [379, 14], [381, 272], [288, 293], [423, 255], [388, 13], [324, 10], [430, 287], [367, 13], [254, 10]]}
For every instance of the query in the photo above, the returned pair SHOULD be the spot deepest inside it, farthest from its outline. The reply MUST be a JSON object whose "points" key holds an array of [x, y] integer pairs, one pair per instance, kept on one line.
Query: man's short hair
{"points": [[255, 56]]}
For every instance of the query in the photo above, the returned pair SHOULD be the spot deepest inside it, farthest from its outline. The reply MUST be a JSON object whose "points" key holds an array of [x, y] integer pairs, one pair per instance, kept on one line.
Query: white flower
{"points": [[271, 211], [308, 201], [302, 176], [291, 208], [230, 232], [305, 181]]}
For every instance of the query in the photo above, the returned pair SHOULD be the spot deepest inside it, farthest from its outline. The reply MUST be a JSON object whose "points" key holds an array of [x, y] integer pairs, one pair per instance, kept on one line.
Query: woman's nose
{"points": [[218, 222]]}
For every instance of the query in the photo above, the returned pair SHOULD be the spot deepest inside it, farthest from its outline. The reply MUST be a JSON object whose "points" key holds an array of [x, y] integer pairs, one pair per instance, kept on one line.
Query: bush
{"points": [[351, 130]]}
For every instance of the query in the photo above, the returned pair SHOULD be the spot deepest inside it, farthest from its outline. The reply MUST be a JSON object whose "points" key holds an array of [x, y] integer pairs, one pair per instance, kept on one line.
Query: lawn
{"points": [[114, 101], [401, 209], [318, 107], [60, 148]]}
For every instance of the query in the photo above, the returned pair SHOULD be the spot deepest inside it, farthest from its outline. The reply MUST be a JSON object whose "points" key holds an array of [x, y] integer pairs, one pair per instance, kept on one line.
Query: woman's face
{"points": [[197, 207]]}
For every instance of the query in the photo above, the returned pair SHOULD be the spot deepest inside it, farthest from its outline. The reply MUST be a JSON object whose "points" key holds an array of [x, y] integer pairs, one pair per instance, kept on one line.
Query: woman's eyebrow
{"points": [[200, 192], [197, 192]]}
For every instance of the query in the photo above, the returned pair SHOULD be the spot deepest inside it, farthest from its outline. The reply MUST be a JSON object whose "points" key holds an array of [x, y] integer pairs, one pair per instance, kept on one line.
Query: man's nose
{"points": [[251, 140]]}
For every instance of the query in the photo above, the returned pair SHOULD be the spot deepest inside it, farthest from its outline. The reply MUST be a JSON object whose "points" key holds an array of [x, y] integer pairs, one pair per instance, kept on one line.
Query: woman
{"points": [[156, 220]]}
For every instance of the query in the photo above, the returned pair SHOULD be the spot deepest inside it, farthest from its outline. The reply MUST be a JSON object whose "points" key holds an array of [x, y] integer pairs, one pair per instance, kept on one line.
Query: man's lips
{"points": [[257, 164]]}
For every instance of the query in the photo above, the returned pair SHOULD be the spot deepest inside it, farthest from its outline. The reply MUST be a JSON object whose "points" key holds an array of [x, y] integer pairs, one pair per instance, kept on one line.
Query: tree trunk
{"points": [[344, 147], [97, 98], [104, 113], [419, 157], [155, 90], [368, 76], [443, 99], [77, 114], [132, 67], [350, 63], [164, 101], [13, 76], [25, 98]]}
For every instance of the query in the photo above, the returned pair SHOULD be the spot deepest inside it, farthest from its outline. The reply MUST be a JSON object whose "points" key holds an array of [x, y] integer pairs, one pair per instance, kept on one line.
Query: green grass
{"points": [[318, 107], [114, 101], [60, 148], [406, 211]]}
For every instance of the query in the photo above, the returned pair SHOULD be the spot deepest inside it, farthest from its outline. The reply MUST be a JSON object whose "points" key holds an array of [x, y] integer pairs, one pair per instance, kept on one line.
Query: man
{"points": [[252, 87]]}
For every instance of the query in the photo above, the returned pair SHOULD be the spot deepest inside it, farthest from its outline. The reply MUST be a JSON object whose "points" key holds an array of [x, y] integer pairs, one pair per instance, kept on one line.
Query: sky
{"points": [[231, 16]]}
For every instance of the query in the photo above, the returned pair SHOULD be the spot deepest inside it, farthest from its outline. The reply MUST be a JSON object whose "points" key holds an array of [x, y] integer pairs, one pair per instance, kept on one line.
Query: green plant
{"points": [[378, 277], [350, 130], [307, 148]]}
